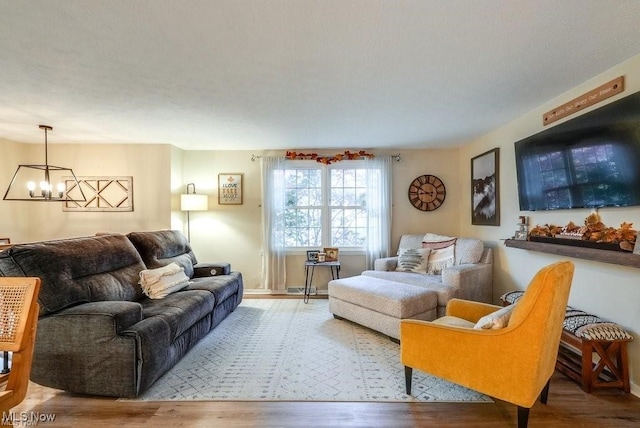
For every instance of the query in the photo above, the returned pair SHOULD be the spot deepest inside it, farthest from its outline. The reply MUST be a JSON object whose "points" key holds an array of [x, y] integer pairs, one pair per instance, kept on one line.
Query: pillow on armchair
{"points": [[442, 253], [413, 260]]}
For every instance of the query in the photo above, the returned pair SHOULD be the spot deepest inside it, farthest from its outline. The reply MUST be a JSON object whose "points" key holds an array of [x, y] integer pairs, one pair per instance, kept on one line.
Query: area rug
{"points": [[286, 350]]}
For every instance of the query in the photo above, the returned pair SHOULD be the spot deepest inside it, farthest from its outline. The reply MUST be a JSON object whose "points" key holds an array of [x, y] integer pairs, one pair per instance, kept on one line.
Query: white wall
{"points": [[14, 221], [607, 290], [149, 165]]}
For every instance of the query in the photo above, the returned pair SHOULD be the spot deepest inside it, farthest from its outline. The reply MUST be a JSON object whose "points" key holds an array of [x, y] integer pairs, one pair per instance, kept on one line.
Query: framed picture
{"points": [[230, 188], [5, 241], [332, 254], [312, 255], [485, 189]]}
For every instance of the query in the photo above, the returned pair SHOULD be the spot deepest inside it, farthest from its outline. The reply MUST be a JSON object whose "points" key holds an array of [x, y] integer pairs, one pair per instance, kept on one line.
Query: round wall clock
{"points": [[427, 192]]}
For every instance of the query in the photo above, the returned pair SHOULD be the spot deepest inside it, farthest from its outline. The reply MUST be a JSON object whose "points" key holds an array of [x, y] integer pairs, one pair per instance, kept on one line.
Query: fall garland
{"points": [[327, 160]]}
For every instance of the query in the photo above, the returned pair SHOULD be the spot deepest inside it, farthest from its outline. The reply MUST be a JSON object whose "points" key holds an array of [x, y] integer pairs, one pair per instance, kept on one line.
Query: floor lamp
{"points": [[192, 202]]}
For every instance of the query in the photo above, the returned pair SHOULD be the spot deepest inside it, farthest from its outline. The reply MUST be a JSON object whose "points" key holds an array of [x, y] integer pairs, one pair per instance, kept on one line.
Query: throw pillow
{"points": [[433, 241], [413, 260], [441, 258], [495, 320], [159, 283]]}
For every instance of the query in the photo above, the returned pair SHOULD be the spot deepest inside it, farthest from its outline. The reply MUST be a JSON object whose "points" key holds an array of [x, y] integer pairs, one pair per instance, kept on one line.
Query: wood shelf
{"points": [[604, 256]]}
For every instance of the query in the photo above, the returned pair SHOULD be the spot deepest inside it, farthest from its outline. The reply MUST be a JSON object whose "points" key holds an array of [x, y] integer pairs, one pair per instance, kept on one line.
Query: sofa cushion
{"points": [[468, 250], [430, 282], [221, 286], [162, 247], [410, 241], [179, 310], [78, 270]]}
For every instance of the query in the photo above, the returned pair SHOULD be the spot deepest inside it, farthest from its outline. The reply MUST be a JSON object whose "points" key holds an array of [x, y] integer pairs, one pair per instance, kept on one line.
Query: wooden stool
{"points": [[575, 359], [575, 354]]}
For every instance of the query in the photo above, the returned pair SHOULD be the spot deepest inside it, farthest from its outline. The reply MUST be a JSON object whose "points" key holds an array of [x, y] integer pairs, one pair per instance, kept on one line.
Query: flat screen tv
{"points": [[591, 161]]}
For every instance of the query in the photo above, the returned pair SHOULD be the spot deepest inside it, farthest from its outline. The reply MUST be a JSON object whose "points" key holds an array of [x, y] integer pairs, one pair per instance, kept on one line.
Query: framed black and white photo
{"points": [[312, 255], [485, 189]]}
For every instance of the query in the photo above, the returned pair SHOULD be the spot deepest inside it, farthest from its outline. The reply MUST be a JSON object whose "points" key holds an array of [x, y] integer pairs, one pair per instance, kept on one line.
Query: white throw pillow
{"points": [[495, 320], [434, 237], [159, 283], [413, 260], [440, 259]]}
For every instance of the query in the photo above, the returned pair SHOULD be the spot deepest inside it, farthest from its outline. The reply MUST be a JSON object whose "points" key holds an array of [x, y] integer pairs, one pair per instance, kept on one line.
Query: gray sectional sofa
{"points": [[98, 334]]}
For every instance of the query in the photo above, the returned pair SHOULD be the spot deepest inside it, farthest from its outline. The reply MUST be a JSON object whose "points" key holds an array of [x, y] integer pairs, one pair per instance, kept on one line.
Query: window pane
{"points": [[303, 227], [337, 197], [337, 177], [348, 227], [303, 224]]}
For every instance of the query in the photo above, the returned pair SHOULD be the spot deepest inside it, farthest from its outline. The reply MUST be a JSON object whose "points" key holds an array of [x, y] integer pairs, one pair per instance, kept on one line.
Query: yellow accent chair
{"points": [[514, 363], [18, 322]]}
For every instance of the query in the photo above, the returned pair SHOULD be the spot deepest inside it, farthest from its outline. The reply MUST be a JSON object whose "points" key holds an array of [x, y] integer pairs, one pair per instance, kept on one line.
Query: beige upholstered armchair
{"points": [[463, 268], [509, 355]]}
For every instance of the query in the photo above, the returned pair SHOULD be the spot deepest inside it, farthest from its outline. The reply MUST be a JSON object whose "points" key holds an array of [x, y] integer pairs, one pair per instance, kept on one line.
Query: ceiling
{"points": [[296, 74]]}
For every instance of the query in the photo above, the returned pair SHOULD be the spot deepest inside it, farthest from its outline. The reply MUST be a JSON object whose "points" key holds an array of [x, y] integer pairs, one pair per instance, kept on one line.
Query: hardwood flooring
{"points": [[568, 406]]}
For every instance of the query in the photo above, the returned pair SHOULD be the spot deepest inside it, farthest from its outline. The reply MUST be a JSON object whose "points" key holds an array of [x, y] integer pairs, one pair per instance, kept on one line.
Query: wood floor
{"points": [[568, 406]]}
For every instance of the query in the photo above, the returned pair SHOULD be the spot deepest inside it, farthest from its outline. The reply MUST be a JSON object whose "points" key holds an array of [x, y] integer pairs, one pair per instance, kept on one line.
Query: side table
{"points": [[309, 268]]}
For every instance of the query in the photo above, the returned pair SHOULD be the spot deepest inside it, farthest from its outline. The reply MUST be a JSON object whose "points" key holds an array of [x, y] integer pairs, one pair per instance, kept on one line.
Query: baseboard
{"points": [[300, 290], [290, 291]]}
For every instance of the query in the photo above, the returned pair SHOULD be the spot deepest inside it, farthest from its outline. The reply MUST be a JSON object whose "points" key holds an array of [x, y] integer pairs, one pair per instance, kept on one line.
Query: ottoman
{"points": [[380, 304]]}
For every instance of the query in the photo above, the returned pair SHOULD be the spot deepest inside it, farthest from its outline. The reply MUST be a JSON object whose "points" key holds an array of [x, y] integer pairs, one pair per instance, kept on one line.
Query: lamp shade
{"points": [[194, 202]]}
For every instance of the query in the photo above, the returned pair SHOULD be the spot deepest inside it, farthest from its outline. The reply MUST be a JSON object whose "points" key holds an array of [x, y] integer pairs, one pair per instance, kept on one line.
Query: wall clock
{"points": [[427, 192]]}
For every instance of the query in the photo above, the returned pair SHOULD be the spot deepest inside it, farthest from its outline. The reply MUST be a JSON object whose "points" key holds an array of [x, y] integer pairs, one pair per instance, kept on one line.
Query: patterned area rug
{"points": [[285, 350]]}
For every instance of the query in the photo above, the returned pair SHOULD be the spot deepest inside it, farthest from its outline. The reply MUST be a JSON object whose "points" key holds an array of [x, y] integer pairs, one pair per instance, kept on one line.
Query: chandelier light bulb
{"points": [[31, 186]]}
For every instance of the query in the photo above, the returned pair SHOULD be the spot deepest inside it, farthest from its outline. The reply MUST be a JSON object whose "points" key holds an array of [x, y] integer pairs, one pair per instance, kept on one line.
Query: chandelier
{"points": [[44, 183]]}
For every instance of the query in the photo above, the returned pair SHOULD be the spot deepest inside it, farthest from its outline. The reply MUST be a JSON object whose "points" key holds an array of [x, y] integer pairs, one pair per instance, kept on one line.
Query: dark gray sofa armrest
{"points": [[110, 317], [201, 270], [81, 349]]}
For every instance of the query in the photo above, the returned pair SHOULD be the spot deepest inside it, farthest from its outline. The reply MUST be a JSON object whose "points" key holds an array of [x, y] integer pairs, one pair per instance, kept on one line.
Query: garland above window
{"points": [[327, 160]]}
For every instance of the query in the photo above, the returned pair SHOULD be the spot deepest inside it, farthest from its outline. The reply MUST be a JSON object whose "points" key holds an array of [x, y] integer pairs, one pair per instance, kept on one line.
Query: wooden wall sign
{"points": [[103, 194], [600, 93]]}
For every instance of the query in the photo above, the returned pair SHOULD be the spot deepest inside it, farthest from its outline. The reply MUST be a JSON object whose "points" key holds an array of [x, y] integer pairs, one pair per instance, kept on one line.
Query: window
{"points": [[325, 205]]}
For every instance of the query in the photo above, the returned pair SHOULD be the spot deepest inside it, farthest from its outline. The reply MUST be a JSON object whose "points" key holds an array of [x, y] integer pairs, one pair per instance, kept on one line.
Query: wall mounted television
{"points": [[591, 161]]}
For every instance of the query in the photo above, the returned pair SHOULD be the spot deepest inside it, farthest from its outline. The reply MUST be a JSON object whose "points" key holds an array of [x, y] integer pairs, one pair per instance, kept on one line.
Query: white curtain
{"points": [[379, 173], [274, 272]]}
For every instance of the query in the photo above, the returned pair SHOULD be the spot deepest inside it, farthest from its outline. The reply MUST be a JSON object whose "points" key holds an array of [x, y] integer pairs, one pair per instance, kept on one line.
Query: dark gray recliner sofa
{"points": [[98, 334]]}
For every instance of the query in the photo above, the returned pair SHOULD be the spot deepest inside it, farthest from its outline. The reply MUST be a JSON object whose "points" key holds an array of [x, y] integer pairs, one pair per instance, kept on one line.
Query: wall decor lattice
{"points": [[102, 193]]}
